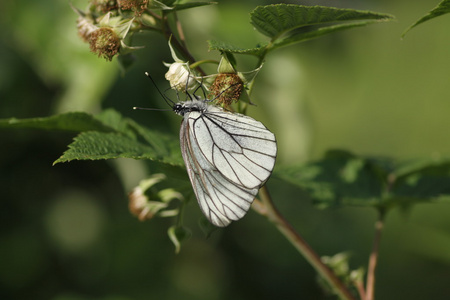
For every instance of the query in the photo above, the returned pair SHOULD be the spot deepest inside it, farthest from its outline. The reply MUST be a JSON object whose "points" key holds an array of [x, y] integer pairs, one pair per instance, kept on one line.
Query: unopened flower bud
{"points": [[180, 77], [226, 88], [105, 42]]}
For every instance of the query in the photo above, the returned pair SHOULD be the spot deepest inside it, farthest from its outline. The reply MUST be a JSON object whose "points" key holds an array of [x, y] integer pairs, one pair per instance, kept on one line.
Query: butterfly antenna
{"points": [[146, 108], [167, 99]]}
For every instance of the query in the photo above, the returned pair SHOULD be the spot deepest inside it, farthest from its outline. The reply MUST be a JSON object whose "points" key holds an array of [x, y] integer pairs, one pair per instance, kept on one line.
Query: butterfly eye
{"points": [[177, 108]]}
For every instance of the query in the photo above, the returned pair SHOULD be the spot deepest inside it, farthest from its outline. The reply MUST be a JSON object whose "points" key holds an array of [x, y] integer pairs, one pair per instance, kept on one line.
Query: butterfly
{"points": [[228, 157]]}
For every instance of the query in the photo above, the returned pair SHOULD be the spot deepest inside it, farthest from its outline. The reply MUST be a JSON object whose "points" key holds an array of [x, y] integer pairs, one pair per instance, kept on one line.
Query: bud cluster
{"points": [[225, 87], [105, 6], [106, 24]]}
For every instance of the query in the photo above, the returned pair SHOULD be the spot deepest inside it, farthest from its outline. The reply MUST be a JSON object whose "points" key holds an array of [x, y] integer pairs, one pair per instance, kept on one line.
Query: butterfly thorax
{"points": [[181, 108]]}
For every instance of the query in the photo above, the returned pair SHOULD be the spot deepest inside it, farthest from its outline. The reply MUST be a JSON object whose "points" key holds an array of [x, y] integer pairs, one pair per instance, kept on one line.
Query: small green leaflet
{"points": [[442, 9], [177, 235], [73, 121]]}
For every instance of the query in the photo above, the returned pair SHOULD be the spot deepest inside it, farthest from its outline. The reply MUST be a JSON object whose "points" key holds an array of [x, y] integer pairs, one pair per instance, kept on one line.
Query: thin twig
{"points": [[373, 259], [180, 31], [150, 12], [302, 246], [168, 33], [360, 288]]}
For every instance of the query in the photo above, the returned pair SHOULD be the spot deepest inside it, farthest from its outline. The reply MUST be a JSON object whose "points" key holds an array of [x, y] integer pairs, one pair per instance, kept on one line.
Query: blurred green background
{"points": [[66, 232]]}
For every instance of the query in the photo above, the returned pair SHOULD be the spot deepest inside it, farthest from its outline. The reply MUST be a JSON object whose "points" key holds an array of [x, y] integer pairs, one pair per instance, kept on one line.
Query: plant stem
{"points": [[180, 31], [179, 45], [373, 259], [266, 207], [360, 287]]}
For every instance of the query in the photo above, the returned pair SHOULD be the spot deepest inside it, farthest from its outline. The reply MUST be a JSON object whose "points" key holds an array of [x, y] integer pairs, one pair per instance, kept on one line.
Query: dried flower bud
{"points": [[105, 6], [137, 204], [140, 206], [139, 6], [85, 28], [105, 42], [146, 203], [226, 88]]}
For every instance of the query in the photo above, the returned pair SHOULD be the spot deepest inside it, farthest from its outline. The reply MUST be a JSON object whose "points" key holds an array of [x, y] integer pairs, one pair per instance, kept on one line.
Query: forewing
{"points": [[242, 149], [220, 199]]}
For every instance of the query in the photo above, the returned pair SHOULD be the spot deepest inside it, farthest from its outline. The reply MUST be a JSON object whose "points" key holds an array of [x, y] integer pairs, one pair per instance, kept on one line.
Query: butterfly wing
{"points": [[228, 158]]}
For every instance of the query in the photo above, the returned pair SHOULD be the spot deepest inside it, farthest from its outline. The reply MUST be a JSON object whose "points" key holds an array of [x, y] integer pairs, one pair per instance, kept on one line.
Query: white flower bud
{"points": [[178, 76]]}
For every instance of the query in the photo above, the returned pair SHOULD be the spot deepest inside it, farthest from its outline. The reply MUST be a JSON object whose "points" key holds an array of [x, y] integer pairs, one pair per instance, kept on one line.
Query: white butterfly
{"points": [[228, 157]]}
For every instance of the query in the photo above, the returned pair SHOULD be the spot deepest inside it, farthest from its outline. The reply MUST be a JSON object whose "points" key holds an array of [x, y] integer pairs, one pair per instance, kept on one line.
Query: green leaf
{"points": [[288, 24], [276, 20], [442, 9], [73, 121], [412, 166], [342, 178], [225, 47], [105, 136], [423, 180], [114, 120], [130, 140], [167, 146], [297, 36], [93, 145]]}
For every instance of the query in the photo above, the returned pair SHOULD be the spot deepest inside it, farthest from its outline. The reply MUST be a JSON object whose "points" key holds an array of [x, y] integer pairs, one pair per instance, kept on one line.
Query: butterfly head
{"points": [[179, 109]]}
